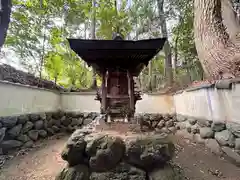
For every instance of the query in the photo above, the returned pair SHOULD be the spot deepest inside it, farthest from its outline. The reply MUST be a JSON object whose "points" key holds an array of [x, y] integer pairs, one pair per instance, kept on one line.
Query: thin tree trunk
{"points": [[167, 48], [150, 76], [5, 13], [93, 35], [218, 55], [43, 53]]}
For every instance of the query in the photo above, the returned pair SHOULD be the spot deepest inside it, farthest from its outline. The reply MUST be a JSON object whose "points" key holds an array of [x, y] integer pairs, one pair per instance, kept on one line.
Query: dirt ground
{"points": [[44, 163]]}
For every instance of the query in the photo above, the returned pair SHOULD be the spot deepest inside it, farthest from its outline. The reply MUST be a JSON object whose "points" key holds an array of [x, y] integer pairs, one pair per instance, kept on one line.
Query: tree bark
{"points": [[230, 19], [218, 54], [93, 36], [167, 48], [5, 13]]}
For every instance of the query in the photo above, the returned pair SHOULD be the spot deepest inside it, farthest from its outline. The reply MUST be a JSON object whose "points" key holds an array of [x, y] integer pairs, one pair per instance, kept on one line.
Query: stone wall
{"points": [[210, 115], [23, 130]]}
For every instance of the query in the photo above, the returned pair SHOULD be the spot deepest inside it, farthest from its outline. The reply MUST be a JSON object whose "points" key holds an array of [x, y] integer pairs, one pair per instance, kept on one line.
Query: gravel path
{"points": [[44, 163]]}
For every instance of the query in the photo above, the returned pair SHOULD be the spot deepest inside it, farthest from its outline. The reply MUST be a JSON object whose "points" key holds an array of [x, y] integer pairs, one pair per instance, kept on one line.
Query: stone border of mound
{"points": [[222, 138]]}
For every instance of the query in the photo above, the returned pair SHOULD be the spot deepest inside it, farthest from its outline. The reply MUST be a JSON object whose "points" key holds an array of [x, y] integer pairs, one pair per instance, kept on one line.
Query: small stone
{"points": [[22, 119], [213, 146], [38, 124], [218, 126], [87, 121], [56, 129], [27, 127], [15, 131], [181, 118], [76, 121], [195, 129], [237, 144], [78, 172], [9, 121], [43, 116], [10, 144], [169, 123], [233, 156], [234, 128], [172, 129], [197, 138], [42, 133], [2, 133], [122, 172], [165, 130], [23, 137], [28, 144], [166, 173], [33, 134], [50, 131], [192, 121], [66, 120], [34, 117], [189, 130], [206, 132], [225, 138], [204, 123]]}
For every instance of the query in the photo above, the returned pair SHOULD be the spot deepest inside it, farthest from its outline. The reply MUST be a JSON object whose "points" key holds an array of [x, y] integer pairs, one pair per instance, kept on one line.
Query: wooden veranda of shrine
{"points": [[117, 61]]}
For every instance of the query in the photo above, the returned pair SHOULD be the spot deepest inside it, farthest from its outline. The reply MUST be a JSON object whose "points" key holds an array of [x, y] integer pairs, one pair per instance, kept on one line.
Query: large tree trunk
{"points": [[230, 18], [93, 36], [219, 55], [5, 12], [167, 48]]}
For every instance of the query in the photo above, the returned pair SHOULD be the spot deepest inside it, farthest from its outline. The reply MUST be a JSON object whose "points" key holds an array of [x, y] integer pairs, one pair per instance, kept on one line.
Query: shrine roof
{"points": [[125, 54]]}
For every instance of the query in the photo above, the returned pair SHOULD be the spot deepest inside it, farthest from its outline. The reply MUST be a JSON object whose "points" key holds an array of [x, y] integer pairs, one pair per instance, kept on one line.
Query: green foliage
{"points": [[110, 20]]}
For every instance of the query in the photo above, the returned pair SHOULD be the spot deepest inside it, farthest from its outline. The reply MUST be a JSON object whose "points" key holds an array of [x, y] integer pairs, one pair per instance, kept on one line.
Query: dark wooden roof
{"points": [[132, 55]]}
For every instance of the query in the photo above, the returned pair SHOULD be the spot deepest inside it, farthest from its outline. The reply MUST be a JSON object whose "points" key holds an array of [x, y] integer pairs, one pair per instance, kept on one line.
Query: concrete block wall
{"points": [[17, 99], [211, 102]]}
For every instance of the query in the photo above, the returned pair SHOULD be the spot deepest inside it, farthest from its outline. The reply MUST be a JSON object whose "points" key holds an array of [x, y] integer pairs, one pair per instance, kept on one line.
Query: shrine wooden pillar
{"points": [[131, 91], [104, 91]]}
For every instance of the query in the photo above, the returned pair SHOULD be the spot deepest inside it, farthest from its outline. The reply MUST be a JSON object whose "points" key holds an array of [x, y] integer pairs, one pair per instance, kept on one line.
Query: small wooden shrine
{"points": [[117, 61]]}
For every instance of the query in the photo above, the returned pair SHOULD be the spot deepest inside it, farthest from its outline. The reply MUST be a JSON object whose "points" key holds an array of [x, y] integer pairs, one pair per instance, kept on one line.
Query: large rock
{"points": [[233, 156], [237, 144], [43, 116], [206, 132], [34, 117], [105, 152], [225, 138], [9, 121], [27, 127], [15, 131], [218, 126], [38, 124], [122, 172], [66, 121], [192, 121], [33, 134], [181, 118], [42, 133], [23, 137], [22, 119], [28, 144], [87, 121], [2, 133], [166, 173], [149, 152], [204, 123], [213, 146], [78, 172], [234, 128], [74, 151], [10, 144]]}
